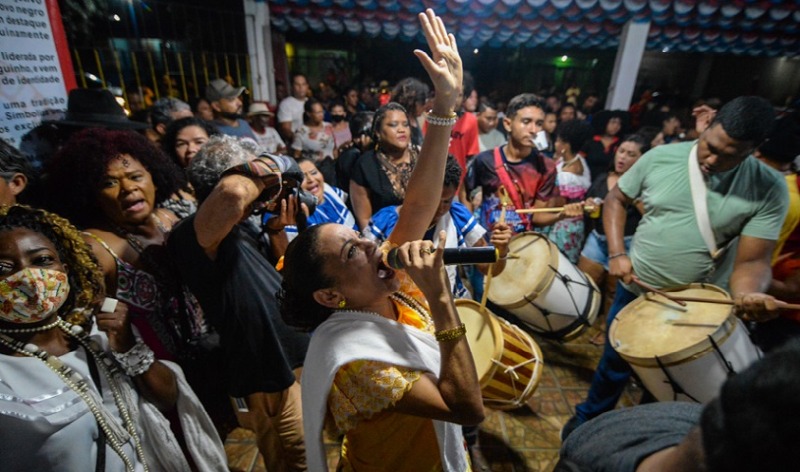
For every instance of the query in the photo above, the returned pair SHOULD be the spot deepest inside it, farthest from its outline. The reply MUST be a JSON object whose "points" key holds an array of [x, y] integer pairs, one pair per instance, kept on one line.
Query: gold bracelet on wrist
{"points": [[450, 334], [439, 120]]}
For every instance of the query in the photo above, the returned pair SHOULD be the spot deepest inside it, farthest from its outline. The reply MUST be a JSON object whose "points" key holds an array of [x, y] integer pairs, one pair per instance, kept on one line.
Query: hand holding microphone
{"points": [[451, 256]]}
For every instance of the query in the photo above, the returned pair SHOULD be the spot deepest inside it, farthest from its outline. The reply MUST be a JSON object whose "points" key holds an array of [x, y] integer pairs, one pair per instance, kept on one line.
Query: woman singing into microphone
{"points": [[389, 364]]}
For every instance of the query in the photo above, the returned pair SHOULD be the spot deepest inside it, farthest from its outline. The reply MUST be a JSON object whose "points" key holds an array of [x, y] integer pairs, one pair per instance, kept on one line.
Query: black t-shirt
{"points": [[369, 173], [599, 189], [237, 294], [597, 157], [344, 168], [618, 441]]}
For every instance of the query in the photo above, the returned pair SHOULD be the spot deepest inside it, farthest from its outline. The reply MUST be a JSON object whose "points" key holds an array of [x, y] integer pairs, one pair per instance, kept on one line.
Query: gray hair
{"points": [[13, 161], [216, 156], [162, 110]]}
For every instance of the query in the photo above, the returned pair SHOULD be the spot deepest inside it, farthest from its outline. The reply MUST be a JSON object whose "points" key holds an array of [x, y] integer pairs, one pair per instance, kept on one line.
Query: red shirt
{"points": [[463, 140]]}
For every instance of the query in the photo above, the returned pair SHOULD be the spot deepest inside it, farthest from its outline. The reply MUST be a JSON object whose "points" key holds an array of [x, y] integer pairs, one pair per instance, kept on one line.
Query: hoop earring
{"points": [[342, 303]]}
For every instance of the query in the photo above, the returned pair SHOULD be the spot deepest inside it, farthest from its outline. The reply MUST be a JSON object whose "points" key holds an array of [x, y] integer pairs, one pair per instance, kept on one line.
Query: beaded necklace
{"points": [[115, 434], [38, 329], [405, 300], [410, 302]]}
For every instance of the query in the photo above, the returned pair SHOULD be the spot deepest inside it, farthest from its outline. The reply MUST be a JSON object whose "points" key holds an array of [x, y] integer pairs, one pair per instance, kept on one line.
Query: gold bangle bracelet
{"points": [[450, 334]]}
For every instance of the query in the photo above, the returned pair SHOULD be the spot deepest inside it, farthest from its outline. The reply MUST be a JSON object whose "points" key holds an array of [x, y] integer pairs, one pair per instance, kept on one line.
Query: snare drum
{"points": [[544, 290], [683, 353], [508, 360]]}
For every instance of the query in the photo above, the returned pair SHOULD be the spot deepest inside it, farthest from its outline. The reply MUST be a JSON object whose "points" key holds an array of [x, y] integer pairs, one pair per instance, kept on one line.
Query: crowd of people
{"points": [[165, 280]]}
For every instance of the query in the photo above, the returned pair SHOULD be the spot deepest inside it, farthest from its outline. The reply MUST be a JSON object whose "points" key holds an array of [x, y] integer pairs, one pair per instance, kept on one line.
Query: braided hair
{"points": [[84, 275]]}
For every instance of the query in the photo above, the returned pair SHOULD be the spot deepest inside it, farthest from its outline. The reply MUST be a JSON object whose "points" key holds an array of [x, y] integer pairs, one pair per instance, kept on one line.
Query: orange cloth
{"points": [[362, 391]]}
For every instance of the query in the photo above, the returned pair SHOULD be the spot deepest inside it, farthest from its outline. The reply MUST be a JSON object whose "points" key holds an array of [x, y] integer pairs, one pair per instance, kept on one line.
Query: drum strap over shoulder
{"points": [[509, 184], [699, 198]]}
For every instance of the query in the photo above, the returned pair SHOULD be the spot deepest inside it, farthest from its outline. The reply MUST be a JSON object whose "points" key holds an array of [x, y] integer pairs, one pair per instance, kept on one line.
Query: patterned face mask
{"points": [[32, 295]]}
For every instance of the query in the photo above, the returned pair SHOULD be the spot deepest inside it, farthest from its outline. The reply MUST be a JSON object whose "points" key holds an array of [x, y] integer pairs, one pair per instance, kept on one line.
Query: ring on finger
{"points": [[426, 250]]}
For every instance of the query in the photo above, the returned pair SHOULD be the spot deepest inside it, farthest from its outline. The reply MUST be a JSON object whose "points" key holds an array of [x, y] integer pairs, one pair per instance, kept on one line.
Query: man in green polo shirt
{"points": [[744, 198]]}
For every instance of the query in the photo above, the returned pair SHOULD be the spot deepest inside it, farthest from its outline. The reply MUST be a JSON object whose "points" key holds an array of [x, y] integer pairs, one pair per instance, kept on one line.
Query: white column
{"points": [[259, 48], [626, 65]]}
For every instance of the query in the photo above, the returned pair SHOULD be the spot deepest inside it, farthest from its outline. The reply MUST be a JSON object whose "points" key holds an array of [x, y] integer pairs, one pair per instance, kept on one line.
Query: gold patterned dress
{"points": [[362, 390]]}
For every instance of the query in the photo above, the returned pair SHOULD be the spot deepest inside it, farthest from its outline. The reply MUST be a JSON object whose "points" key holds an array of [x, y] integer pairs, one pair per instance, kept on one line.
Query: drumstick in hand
{"points": [[588, 208], [504, 201], [681, 300], [727, 301], [650, 288]]}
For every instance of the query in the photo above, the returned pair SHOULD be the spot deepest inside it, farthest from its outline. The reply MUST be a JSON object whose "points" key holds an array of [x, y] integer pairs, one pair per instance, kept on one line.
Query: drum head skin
{"points": [[484, 337], [527, 275], [652, 326]]}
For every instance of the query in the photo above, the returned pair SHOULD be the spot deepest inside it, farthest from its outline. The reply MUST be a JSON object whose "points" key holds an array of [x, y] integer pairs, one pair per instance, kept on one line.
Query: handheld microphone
{"points": [[451, 256]]}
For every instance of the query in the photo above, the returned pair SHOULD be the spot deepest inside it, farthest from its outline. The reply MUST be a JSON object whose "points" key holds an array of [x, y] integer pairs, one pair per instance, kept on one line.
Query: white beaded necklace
{"points": [[410, 302], [406, 301], [37, 329], [114, 433]]}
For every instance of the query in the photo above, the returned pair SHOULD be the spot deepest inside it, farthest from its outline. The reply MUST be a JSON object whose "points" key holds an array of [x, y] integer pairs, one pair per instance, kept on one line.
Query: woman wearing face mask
{"points": [[331, 201], [380, 177], [76, 398], [341, 126]]}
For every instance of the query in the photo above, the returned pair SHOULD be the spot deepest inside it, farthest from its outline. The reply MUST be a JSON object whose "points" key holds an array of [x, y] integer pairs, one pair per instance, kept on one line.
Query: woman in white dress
{"points": [[81, 392]]}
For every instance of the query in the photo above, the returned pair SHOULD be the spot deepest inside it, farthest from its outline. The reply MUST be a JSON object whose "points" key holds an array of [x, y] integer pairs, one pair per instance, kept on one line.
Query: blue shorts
{"points": [[596, 248]]}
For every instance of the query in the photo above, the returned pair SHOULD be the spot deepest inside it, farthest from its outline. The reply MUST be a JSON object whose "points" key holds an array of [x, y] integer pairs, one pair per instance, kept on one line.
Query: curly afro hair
{"points": [[83, 272], [574, 132], [76, 173]]}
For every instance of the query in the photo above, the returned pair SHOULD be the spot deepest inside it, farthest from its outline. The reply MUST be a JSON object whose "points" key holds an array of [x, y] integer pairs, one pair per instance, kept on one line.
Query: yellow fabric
{"points": [[376, 439], [792, 216]]}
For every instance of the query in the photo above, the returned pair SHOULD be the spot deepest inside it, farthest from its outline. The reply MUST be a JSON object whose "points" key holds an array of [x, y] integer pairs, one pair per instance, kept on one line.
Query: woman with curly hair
{"points": [[81, 392], [380, 177], [608, 126], [108, 182]]}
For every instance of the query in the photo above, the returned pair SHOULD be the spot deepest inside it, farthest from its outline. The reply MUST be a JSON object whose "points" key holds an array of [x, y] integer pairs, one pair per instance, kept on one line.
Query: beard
{"points": [[230, 116]]}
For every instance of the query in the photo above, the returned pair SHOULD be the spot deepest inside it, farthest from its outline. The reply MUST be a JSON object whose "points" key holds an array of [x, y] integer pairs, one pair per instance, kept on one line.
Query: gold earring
{"points": [[342, 303]]}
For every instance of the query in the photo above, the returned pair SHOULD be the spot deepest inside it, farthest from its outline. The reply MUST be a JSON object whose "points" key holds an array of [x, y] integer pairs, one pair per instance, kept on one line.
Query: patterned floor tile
{"points": [[241, 455]]}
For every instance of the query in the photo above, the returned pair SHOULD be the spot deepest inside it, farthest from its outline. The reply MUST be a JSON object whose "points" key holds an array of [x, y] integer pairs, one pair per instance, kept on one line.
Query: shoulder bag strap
{"points": [[699, 198]]}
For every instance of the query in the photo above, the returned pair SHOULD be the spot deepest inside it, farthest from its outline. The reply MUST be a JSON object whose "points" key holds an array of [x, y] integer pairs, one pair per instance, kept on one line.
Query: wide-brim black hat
{"points": [[96, 108]]}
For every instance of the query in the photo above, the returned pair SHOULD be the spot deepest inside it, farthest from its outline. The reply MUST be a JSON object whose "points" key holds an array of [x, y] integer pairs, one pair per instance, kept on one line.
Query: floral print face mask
{"points": [[32, 295]]}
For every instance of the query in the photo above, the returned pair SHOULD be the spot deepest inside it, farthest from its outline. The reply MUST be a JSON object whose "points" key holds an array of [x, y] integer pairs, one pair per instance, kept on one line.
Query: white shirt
{"points": [[270, 141], [291, 109]]}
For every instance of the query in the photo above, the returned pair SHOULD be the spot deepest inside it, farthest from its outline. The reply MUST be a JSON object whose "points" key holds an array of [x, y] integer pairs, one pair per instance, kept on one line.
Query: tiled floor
{"points": [[525, 439]]}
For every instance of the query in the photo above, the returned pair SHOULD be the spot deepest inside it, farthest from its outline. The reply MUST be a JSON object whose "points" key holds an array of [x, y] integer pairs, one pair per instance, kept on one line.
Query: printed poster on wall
{"points": [[35, 67]]}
